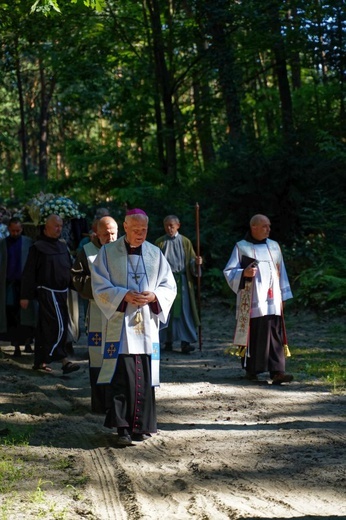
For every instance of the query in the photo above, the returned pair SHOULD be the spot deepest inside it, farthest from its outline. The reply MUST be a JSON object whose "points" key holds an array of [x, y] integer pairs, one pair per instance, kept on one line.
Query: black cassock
{"points": [[133, 396], [46, 277]]}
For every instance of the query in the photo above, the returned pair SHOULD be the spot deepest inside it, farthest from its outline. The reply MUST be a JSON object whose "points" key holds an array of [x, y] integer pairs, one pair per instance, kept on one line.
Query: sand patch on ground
{"points": [[225, 449]]}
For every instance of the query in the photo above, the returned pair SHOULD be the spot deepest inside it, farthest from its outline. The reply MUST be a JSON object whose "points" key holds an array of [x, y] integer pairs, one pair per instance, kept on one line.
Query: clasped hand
{"points": [[140, 298]]}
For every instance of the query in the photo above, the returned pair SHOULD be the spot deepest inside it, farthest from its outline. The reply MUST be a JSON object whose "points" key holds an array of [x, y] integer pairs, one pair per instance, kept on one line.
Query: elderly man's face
{"points": [[136, 230], [261, 230], [171, 227], [53, 227], [107, 232]]}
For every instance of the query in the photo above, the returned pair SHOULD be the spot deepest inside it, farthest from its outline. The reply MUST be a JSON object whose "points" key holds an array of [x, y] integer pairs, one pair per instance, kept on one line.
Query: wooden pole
{"points": [[198, 278]]}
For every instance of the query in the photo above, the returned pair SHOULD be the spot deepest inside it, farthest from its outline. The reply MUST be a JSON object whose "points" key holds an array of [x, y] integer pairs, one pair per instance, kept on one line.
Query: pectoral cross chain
{"points": [[136, 277]]}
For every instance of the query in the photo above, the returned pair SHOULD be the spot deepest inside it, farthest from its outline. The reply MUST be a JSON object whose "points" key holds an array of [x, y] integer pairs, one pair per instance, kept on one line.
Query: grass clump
{"points": [[17, 436], [12, 470], [326, 365], [38, 476]]}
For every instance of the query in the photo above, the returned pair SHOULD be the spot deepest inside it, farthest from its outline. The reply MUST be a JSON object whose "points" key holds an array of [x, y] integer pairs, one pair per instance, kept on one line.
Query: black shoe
{"points": [[186, 348], [168, 346], [28, 349], [70, 367], [124, 440], [139, 437], [280, 378], [17, 352], [250, 377]]}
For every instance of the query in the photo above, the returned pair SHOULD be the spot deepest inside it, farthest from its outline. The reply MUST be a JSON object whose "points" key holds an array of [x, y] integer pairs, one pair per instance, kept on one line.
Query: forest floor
{"points": [[226, 448]]}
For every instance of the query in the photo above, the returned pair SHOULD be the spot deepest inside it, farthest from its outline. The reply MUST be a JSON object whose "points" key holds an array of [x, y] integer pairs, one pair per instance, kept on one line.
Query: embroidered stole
{"points": [[112, 333], [243, 321], [94, 318], [241, 336], [113, 328], [94, 335]]}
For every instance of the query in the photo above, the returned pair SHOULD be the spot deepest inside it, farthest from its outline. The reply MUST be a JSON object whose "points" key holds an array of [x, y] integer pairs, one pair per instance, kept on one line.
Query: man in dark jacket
{"points": [[16, 325]]}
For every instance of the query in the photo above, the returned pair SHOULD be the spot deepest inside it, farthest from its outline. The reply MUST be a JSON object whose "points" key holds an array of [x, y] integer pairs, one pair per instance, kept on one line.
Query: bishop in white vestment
{"points": [[134, 287]]}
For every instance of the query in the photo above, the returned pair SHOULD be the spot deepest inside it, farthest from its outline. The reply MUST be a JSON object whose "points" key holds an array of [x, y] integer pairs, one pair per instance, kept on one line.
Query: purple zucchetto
{"points": [[136, 211]]}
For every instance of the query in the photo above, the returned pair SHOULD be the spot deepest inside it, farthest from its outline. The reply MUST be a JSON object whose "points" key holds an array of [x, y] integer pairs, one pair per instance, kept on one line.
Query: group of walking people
{"points": [[140, 296]]}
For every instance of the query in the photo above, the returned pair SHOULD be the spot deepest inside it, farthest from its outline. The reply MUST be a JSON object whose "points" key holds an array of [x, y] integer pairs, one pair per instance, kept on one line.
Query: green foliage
{"points": [[11, 470], [322, 291], [46, 6], [18, 436], [326, 365], [21, 473], [336, 376], [316, 258], [331, 147], [161, 115], [214, 282]]}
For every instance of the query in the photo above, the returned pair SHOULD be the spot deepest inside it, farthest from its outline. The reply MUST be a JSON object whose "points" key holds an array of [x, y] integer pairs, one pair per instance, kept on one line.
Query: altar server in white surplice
{"points": [[134, 287], [256, 273]]}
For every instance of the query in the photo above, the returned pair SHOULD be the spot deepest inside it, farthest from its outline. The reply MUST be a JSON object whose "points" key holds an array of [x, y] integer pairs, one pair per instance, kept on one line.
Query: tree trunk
{"points": [[321, 63], [280, 67], [23, 136], [294, 55], [340, 44], [46, 96], [201, 95], [223, 58], [164, 83]]}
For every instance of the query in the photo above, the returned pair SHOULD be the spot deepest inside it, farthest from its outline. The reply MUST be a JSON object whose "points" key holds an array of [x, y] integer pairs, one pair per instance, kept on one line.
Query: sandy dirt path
{"points": [[225, 449]]}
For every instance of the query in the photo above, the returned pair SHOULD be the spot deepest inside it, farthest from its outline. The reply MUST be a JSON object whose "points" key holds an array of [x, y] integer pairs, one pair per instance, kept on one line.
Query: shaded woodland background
{"points": [[159, 104]]}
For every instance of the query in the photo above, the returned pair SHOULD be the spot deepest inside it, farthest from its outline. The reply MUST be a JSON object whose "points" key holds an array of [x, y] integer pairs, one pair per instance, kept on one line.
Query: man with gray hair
{"points": [[134, 287], [106, 232], [184, 262]]}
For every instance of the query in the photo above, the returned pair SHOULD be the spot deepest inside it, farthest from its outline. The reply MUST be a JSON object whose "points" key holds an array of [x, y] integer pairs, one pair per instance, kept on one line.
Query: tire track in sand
{"points": [[109, 488]]}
